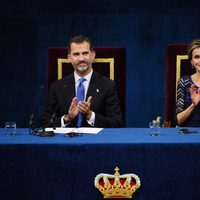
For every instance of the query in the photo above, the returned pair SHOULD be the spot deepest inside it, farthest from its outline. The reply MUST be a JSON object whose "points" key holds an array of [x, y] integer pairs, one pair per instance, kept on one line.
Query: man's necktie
{"points": [[80, 96]]}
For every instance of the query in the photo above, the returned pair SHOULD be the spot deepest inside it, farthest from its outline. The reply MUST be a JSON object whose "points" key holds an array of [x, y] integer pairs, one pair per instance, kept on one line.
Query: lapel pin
{"points": [[97, 90]]}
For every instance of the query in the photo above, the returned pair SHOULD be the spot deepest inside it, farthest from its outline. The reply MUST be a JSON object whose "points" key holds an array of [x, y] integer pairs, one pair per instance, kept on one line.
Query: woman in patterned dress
{"points": [[188, 91]]}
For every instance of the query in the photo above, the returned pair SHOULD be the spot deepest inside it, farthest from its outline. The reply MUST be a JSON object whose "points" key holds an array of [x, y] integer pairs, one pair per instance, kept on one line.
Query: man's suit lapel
{"points": [[93, 87], [70, 89]]}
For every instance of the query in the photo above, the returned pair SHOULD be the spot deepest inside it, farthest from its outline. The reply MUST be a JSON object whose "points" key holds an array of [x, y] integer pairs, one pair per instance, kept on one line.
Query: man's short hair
{"points": [[78, 40]]}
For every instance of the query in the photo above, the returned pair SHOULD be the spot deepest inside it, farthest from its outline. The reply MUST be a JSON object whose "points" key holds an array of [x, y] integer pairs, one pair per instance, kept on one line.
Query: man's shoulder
{"points": [[69, 79], [101, 77]]}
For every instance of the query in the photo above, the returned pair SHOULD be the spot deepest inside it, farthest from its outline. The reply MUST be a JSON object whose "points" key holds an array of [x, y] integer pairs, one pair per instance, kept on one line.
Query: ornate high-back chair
{"points": [[177, 65], [109, 61]]}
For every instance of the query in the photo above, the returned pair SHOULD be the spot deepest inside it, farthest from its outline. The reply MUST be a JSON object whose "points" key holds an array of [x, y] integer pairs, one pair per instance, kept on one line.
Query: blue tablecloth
{"points": [[58, 168]]}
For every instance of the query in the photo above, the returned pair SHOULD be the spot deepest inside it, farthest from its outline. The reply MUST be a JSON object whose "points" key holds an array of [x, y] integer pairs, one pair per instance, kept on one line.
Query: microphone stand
{"points": [[31, 126], [32, 117], [42, 132]]}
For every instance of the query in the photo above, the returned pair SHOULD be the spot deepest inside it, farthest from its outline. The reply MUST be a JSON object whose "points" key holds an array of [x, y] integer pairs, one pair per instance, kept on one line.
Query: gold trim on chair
{"points": [[178, 68], [97, 60]]}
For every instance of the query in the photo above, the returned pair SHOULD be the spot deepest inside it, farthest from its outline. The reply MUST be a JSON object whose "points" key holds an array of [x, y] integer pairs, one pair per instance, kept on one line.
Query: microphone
{"points": [[32, 115], [43, 132]]}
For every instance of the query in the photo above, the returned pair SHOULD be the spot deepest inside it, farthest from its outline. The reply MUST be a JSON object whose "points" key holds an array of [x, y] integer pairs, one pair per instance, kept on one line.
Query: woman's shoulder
{"points": [[185, 79]]}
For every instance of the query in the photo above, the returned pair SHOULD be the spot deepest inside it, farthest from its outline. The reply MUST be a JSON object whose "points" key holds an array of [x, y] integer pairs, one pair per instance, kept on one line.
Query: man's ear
{"points": [[93, 54]]}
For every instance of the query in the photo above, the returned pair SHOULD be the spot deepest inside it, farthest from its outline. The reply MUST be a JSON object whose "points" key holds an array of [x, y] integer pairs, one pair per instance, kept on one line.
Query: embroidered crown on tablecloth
{"points": [[117, 186]]}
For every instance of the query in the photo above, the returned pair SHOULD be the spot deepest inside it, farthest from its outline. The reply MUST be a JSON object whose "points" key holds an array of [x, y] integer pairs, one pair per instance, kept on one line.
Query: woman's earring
{"points": [[193, 66]]}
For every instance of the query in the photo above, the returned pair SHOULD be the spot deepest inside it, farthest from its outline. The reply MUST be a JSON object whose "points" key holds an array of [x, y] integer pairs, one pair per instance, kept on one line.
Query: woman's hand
{"points": [[195, 95]]}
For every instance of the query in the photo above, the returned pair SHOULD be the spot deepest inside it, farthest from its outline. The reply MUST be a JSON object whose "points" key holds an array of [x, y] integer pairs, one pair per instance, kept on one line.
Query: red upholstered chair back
{"points": [[177, 65], [109, 61]]}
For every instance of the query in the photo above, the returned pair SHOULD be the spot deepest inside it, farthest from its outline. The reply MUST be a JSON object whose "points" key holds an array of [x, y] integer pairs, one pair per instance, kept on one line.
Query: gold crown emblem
{"points": [[117, 186]]}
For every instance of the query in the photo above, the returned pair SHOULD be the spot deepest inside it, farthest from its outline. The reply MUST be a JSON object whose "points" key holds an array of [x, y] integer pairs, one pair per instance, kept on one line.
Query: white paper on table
{"points": [[74, 130]]}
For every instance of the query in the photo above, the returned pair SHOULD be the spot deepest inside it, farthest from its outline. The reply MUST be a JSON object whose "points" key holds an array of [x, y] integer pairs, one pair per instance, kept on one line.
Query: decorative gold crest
{"points": [[117, 186]]}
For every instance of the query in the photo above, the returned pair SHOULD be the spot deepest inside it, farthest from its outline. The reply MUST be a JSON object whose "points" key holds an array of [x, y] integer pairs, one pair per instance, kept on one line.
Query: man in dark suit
{"points": [[100, 105]]}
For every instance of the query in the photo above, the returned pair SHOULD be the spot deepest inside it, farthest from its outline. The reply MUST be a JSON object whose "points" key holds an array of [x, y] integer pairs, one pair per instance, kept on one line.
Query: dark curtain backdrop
{"points": [[143, 27]]}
